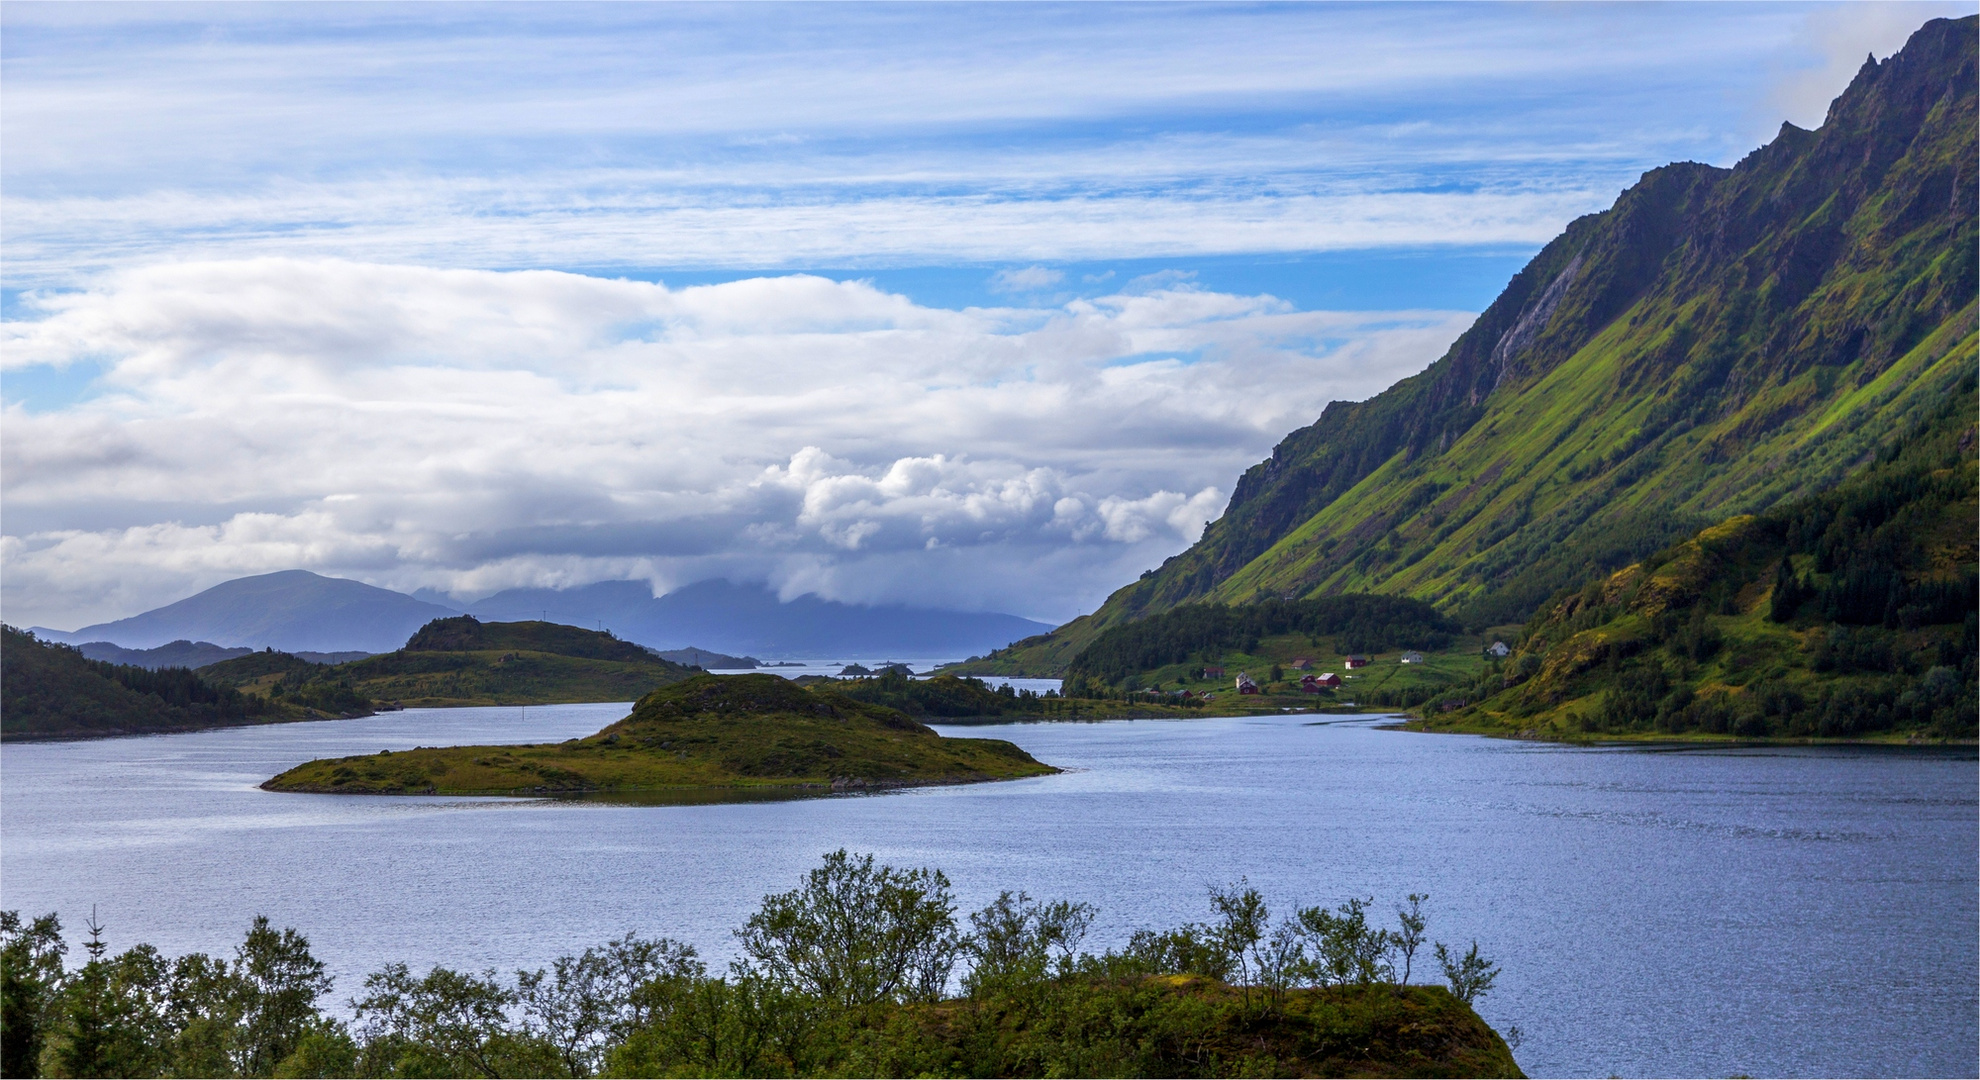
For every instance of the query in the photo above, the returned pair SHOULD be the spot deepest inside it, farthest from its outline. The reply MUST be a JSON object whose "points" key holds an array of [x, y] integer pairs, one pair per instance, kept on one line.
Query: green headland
{"points": [[707, 732]]}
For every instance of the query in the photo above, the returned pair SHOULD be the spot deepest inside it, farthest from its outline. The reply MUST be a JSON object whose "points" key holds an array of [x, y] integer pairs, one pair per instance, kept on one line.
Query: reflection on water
{"points": [[702, 796], [1657, 911]]}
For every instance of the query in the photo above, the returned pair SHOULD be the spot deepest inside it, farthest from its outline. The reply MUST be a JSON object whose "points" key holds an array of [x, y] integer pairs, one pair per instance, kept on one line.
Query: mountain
{"points": [[1718, 342], [725, 617], [291, 610], [318, 617]]}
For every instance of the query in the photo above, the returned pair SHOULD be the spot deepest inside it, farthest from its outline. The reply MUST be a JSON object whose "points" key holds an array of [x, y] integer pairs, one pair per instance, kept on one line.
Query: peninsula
{"points": [[708, 732]]}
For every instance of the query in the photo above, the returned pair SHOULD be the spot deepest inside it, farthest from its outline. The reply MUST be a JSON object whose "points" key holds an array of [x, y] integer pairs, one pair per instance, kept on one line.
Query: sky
{"points": [[982, 307]]}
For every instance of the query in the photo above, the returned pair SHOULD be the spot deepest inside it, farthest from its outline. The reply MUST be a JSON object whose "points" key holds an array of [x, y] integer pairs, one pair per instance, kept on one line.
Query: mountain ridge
{"points": [[297, 611], [1717, 342]]}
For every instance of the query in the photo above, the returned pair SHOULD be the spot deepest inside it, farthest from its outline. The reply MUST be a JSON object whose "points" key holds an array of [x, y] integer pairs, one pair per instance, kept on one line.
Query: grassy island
{"points": [[709, 731]]}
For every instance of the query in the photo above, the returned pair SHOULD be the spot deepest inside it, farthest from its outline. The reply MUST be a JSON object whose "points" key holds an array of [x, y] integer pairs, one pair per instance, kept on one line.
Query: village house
{"points": [[1245, 685], [1302, 664], [1412, 658], [1212, 672], [1313, 684], [1357, 662], [1499, 649]]}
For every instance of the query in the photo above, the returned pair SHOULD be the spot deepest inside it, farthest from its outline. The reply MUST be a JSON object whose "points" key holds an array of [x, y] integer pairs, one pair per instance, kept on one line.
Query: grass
{"points": [[736, 731]]}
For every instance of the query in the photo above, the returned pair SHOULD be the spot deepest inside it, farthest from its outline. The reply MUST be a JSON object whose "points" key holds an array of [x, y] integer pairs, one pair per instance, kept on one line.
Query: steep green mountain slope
{"points": [[710, 731], [1851, 613], [1718, 341]]}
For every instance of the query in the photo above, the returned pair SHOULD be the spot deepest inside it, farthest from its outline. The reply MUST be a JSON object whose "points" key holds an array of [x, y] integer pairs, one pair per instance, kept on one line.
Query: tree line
{"points": [[855, 972], [53, 689], [1360, 622]]}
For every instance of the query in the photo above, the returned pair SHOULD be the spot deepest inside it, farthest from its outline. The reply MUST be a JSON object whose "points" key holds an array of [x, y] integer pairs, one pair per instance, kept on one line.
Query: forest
{"points": [[1848, 613], [54, 690], [1360, 622], [862, 970]]}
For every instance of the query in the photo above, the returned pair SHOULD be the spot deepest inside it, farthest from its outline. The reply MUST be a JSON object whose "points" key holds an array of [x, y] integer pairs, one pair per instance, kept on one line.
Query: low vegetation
{"points": [[862, 970], [1358, 623], [709, 731]]}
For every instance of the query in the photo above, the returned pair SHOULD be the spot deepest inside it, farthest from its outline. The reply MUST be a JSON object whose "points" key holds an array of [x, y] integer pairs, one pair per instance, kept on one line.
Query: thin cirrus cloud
{"points": [[472, 430], [632, 137], [375, 289]]}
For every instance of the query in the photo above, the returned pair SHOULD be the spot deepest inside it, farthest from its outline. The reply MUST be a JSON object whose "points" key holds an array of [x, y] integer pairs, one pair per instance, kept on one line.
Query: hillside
{"points": [[1853, 613], [711, 731], [1718, 342], [53, 691], [462, 661]]}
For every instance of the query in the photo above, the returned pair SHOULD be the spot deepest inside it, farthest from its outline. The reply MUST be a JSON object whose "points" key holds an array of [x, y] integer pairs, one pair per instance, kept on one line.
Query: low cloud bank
{"points": [[469, 431]]}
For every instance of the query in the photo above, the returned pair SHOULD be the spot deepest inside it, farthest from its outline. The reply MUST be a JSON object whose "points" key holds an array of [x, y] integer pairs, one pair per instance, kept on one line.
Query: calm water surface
{"points": [[1677, 913]]}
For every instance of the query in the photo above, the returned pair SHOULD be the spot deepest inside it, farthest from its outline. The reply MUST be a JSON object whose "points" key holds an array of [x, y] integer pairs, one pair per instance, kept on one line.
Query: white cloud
{"points": [[1029, 279], [51, 239], [670, 136], [472, 430], [1835, 39]]}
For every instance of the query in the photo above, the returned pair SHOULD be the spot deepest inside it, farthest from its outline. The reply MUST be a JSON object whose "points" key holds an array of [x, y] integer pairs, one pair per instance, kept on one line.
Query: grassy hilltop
{"points": [[709, 731], [463, 661], [1718, 343]]}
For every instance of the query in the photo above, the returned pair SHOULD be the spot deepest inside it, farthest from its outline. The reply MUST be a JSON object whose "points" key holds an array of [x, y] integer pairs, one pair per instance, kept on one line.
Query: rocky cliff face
{"points": [[1717, 341]]}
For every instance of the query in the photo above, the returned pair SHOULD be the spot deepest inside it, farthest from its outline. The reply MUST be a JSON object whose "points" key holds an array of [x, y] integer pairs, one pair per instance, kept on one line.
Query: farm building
{"points": [[1357, 662]]}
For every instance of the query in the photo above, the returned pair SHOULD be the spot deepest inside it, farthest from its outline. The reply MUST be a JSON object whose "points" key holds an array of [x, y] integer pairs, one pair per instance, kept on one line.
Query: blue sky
{"points": [[1089, 261]]}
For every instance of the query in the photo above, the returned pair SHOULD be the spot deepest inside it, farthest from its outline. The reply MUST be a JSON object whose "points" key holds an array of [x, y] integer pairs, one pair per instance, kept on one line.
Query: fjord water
{"points": [[1674, 912]]}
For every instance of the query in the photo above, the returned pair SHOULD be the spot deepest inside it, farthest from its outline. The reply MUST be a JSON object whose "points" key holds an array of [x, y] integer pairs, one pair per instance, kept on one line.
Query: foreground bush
{"points": [[849, 974]]}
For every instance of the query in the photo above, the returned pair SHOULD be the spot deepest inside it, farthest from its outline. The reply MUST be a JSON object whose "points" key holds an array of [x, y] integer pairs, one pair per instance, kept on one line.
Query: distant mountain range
{"points": [[301, 612], [721, 616], [194, 654], [293, 610]]}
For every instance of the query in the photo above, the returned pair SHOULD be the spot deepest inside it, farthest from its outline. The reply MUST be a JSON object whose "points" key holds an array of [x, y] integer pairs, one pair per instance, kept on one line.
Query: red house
{"points": [[1213, 673], [1357, 662], [1313, 684]]}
